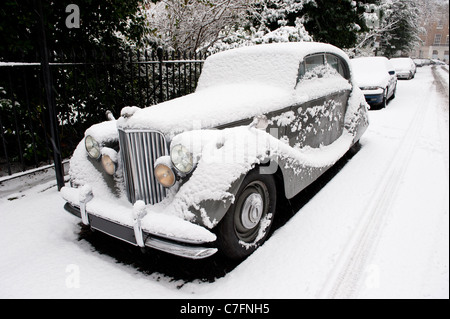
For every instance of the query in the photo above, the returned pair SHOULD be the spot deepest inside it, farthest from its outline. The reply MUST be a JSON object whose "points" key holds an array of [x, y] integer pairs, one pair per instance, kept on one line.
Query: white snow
{"points": [[442, 71], [378, 229], [121, 211], [371, 71], [275, 63], [104, 132], [403, 64], [217, 105]]}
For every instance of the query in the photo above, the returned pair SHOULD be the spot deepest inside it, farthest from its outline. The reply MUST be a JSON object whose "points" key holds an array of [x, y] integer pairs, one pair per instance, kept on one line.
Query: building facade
{"points": [[435, 37]]}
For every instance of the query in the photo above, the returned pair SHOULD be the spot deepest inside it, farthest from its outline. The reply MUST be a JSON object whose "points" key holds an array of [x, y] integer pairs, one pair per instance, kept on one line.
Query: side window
{"points": [[337, 64], [309, 64], [320, 65], [313, 61]]}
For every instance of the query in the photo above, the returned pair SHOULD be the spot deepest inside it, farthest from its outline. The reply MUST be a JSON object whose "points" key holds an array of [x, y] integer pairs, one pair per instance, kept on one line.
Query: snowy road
{"points": [[379, 228]]}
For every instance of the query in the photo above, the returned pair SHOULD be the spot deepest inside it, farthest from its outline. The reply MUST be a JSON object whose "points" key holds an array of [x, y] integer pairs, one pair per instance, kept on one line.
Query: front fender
{"points": [[209, 212], [223, 158]]}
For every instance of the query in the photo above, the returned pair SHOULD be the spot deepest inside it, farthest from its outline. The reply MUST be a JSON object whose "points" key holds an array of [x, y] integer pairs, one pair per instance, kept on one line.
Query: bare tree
{"points": [[188, 24], [385, 19]]}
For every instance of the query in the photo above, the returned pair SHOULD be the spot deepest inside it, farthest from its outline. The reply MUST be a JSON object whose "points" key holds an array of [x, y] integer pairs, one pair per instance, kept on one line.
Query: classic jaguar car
{"points": [[203, 173]]}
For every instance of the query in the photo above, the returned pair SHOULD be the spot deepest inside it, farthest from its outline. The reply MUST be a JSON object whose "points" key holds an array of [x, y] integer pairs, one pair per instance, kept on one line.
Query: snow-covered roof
{"points": [[274, 64]]}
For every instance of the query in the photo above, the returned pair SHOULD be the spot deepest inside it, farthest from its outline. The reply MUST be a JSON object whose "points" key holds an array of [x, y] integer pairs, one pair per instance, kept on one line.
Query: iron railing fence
{"points": [[85, 86]]}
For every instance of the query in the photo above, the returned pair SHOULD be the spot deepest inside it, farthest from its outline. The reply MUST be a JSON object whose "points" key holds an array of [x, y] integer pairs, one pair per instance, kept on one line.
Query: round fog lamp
{"points": [[92, 147], [108, 165], [164, 175]]}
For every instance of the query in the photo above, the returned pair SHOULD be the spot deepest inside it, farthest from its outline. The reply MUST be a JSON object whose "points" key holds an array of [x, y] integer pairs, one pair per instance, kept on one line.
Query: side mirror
{"points": [[109, 116], [260, 122], [392, 72]]}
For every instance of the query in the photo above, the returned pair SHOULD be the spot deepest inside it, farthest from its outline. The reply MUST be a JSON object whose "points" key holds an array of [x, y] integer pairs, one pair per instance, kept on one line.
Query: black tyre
{"points": [[384, 103], [393, 93], [247, 223]]}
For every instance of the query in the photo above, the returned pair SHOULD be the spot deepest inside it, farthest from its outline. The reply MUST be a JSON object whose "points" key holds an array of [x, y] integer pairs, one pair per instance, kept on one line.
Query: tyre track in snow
{"points": [[352, 265], [442, 113]]}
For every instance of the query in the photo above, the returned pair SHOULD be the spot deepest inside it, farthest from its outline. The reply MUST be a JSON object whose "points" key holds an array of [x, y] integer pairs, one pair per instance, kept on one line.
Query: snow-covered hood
{"points": [[207, 108]]}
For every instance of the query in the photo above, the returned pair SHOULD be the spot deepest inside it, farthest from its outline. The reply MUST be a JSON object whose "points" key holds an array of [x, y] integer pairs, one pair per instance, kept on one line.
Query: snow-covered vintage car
{"points": [[201, 173]]}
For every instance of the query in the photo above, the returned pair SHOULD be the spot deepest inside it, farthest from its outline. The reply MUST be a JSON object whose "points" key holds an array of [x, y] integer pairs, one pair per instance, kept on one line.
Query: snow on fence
{"points": [[85, 85]]}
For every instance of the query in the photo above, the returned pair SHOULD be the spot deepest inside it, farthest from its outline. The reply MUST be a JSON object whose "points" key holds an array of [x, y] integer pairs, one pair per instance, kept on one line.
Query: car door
{"points": [[317, 119], [320, 119], [392, 78]]}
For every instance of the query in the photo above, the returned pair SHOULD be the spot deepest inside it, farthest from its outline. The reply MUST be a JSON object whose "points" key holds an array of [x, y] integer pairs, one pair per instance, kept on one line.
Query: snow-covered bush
{"points": [[239, 37]]}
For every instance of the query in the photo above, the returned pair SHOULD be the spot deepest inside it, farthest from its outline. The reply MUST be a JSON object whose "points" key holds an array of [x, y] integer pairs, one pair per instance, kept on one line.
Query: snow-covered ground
{"points": [[378, 229]]}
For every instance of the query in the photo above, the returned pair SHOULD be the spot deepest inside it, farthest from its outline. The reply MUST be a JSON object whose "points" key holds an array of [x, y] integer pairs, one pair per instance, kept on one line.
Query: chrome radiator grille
{"points": [[139, 151]]}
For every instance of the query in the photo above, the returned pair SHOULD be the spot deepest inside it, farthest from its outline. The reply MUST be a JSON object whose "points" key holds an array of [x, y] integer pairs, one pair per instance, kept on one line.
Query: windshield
{"points": [[368, 65], [401, 63], [370, 71]]}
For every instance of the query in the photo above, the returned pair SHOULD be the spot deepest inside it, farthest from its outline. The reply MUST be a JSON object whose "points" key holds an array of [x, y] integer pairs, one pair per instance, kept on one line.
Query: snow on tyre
{"points": [[248, 221]]}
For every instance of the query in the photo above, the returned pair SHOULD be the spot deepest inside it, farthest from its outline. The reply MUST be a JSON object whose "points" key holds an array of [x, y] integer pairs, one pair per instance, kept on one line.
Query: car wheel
{"points": [[393, 93], [384, 103], [247, 223]]}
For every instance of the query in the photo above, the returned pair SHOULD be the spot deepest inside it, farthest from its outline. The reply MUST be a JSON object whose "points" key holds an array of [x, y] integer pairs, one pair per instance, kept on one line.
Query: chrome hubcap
{"points": [[252, 210]]}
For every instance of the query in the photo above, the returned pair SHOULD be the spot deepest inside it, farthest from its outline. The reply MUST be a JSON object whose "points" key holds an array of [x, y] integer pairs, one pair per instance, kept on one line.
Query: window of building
{"points": [[435, 54], [440, 24], [437, 39], [446, 40]]}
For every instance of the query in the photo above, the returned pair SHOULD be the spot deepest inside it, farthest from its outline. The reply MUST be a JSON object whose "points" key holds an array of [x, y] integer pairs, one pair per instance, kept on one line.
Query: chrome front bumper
{"points": [[195, 242]]}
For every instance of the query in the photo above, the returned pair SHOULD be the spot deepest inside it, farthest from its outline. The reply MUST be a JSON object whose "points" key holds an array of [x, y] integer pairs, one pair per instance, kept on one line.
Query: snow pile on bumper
{"points": [[119, 219]]}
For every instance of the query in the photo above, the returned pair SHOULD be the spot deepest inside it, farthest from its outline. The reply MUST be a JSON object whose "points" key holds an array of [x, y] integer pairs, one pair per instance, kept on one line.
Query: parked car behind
{"points": [[376, 78], [419, 62], [405, 68], [426, 62], [204, 172], [436, 62]]}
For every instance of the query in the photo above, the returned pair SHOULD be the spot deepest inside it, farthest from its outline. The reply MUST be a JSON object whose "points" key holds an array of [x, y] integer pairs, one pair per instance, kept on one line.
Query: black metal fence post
{"points": [[50, 99], [5, 149], [160, 53]]}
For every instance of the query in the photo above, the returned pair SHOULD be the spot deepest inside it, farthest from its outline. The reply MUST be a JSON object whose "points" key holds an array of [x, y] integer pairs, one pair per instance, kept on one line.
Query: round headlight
{"points": [[92, 147], [182, 158], [108, 165], [164, 175]]}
